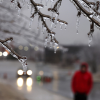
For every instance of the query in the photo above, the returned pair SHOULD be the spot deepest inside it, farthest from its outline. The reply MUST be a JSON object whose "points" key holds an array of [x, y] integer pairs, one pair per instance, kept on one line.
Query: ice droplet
{"points": [[46, 2], [55, 47], [77, 24], [52, 36], [45, 44], [90, 37], [52, 24], [52, 16], [98, 17], [56, 17], [61, 25], [30, 23], [19, 10], [52, 1], [24, 64], [65, 26]]}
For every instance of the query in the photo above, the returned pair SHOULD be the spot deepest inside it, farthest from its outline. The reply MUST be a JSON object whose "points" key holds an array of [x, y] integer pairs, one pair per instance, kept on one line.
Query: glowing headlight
{"points": [[0, 53], [29, 72], [5, 54], [20, 72]]}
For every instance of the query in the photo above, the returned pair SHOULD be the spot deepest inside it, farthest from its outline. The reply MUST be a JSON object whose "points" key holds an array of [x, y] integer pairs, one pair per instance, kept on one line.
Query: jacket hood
{"points": [[85, 64]]}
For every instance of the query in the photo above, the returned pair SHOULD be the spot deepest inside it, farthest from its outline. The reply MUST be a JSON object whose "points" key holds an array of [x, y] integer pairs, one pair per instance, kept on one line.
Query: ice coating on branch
{"points": [[52, 1], [43, 29], [61, 25], [35, 9], [45, 18], [39, 7], [52, 15], [45, 44], [24, 64], [65, 26], [11, 5], [90, 37], [55, 47], [55, 21], [77, 24], [30, 23], [46, 2], [28, 4], [52, 36], [49, 38], [58, 6], [98, 17], [22, 60], [5, 47], [32, 9], [52, 23], [19, 10], [23, 2]]}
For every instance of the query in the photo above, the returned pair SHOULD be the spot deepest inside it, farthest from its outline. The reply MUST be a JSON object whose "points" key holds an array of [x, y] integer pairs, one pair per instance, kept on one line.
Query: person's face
{"points": [[83, 69]]}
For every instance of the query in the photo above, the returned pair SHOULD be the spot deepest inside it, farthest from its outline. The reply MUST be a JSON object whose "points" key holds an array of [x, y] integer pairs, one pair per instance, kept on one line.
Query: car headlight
{"points": [[29, 72], [20, 72]]}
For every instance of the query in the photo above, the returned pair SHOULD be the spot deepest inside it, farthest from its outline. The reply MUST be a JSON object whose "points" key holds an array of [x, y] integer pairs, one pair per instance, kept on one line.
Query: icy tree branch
{"points": [[56, 7], [88, 14], [92, 14], [43, 16], [21, 59], [7, 47]]}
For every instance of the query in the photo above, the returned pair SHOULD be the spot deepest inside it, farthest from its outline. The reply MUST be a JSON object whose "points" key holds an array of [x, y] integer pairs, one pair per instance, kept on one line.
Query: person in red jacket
{"points": [[82, 83]]}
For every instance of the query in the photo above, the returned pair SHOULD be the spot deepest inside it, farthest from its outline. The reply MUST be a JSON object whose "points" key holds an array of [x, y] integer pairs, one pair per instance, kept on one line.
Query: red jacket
{"points": [[82, 82]]}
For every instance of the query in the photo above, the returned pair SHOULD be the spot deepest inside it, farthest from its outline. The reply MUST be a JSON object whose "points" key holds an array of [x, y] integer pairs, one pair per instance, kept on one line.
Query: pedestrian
{"points": [[82, 83]]}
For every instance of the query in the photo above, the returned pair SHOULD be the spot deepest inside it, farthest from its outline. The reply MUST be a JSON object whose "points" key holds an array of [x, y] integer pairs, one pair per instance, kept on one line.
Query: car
{"points": [[45, 77], [21, 73]]}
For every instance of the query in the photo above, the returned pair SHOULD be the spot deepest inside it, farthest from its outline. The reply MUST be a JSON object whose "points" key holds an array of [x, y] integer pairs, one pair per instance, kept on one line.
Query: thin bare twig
{"points": [[6, 46]]}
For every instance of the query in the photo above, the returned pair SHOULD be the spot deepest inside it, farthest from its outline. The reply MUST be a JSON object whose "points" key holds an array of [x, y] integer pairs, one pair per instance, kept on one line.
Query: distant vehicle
{"points": [[21, 73], [44, 76]]}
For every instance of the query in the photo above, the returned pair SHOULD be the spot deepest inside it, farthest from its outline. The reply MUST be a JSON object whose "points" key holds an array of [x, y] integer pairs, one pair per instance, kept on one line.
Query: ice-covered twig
{"points": [[89, 14], [56, 7], [42, 16], [21, 59], [7, 47]]}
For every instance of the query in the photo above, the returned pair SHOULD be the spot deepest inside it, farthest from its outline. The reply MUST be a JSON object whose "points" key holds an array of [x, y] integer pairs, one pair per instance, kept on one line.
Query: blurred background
{"points": [[49, 74]]}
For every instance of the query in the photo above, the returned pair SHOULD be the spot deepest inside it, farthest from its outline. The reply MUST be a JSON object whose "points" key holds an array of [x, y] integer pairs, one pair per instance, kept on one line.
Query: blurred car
{"points": [[21, 73], [44, 76]]}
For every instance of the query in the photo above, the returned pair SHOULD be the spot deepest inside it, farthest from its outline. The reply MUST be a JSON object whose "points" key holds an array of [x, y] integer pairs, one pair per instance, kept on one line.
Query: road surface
{"points": [[27, 86], [59, 89]]}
